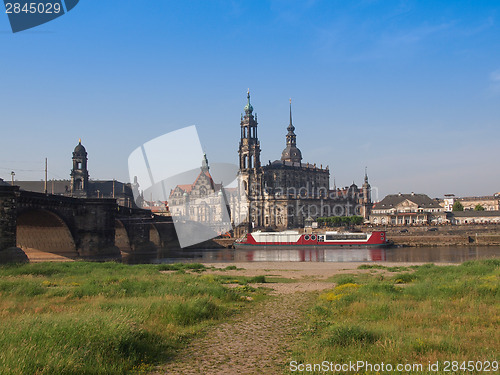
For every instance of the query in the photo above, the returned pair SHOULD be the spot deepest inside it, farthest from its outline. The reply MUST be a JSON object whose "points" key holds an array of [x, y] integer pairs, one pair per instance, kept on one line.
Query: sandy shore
{"points": [[305, 276], [299, 270]]}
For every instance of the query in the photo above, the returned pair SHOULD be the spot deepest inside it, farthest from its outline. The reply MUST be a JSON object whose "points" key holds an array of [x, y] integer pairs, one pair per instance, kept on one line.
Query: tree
{"points": [[345, 220], [335, 221], [457, 206], [479, 207], [357, 220]]}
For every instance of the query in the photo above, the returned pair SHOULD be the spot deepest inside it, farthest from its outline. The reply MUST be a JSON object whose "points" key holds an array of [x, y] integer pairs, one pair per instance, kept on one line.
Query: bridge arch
{"points": [[122, 240], [154, 235], [40, 231]]}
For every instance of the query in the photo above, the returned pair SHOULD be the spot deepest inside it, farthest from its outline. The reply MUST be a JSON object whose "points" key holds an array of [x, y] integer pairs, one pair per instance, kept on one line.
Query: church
{"points": [[284, 193]]}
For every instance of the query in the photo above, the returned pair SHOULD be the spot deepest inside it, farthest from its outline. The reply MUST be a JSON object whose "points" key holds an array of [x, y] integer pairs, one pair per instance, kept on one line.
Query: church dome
{"points": [[248, 108], [79, 149], [291, 153]]}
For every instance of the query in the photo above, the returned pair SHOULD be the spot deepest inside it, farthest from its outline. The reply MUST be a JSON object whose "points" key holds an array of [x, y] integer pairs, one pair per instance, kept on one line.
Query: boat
{"points": [[292, 238]]}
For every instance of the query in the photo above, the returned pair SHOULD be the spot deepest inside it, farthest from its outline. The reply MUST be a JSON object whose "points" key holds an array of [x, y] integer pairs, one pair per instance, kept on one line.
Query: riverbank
{"points": [[107, 318], [405, 318], [248, 318], [445, 235], [340, 312]]}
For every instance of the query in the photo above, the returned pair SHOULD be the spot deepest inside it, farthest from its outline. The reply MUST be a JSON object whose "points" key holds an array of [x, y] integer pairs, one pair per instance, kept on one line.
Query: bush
{"points": [[349, 335]]}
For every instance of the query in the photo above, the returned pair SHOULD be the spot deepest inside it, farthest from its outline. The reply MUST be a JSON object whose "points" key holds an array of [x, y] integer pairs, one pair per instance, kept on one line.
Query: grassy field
{"points": [[399, 315], [106, 318]]}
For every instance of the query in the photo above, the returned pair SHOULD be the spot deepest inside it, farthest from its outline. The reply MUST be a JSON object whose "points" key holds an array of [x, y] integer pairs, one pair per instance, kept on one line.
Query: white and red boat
{"points": [[290, 238]]}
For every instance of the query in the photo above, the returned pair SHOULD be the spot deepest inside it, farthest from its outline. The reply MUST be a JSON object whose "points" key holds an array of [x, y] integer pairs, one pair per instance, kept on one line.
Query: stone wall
{"points": [[8, 222], [446, 235]]}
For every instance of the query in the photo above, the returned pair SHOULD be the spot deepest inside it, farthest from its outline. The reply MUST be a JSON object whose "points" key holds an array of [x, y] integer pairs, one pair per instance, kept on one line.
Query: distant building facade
{"points": [[407, 209], [283, 193], [473, 217], [202, 201], [489, 202]]}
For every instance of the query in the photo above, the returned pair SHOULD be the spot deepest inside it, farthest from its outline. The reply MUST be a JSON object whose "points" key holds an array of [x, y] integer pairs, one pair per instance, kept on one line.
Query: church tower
{"points": [[367, 197], [250, 171], [79, 173], [291, 153], [249, 149]]}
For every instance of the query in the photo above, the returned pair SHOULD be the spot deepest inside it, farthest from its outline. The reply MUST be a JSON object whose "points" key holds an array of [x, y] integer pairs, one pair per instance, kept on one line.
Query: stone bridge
{"points": [[89, 229]]}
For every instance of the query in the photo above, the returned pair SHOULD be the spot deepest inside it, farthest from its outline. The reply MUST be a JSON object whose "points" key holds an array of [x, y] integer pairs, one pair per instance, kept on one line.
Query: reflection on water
{"points": [[405, 254]]}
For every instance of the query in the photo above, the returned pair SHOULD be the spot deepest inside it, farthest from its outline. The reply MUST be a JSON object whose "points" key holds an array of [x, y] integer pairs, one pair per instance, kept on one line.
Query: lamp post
{"points": [[12, 174]]}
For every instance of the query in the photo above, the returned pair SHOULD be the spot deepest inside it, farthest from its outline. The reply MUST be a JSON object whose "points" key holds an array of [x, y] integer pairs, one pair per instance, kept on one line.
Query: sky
{"points": [[408, 89]]}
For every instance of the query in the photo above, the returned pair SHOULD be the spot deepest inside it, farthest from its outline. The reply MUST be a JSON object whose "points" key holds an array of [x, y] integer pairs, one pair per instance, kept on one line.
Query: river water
{"points": [[444, 254]]}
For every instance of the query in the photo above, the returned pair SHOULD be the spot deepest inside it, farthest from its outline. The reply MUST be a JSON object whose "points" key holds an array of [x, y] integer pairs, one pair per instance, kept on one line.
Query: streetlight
{"points": [[12, 174]]}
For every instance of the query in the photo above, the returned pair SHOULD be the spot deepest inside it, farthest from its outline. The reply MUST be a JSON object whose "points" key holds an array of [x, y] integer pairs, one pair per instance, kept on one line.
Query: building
{"points": [[488, 203], [473, 217], [407, 209], [283, 193], [202, 201], [80, 185]]}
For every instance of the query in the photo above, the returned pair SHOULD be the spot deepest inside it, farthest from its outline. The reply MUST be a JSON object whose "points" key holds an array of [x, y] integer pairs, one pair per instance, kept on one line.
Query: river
{"points": [[440, 254]]}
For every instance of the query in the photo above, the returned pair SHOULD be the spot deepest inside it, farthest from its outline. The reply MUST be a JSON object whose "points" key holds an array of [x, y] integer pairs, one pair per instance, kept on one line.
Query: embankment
{"points": [[479, 235]]}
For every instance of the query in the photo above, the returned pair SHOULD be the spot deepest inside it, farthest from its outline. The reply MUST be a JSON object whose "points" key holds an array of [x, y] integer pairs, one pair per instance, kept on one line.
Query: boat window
{"points": [[346, 236]]}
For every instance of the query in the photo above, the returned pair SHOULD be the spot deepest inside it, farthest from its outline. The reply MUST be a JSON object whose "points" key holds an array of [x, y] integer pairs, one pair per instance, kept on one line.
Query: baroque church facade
{"points": [[284, 193]]}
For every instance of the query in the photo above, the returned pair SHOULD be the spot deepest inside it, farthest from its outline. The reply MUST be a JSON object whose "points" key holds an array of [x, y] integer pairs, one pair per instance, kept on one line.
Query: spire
{"points": [[248, 108], [366, 175], [291, 128], [204, 163], [291, 153], [79, 141]]}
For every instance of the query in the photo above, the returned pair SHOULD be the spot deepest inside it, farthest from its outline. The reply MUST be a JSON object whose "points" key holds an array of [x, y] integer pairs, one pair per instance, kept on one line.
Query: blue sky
{"points": [[409, 89]]}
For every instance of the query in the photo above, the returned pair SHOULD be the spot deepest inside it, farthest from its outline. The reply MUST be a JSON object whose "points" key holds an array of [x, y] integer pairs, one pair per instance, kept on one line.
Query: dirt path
{"points": [[255, 342], [258, 341]]}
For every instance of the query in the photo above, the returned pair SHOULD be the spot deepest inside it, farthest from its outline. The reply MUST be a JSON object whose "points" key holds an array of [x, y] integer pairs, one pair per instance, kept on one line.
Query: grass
{"points": [[105, 318], [421, 314]]}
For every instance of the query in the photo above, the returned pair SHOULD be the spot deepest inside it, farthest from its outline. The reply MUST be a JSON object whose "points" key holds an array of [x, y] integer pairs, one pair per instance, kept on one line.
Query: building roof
{"points": [[79, 149], [483, 198], [473, 213], [3, 183], [280, 164], [187, 188], [422, 200]]}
